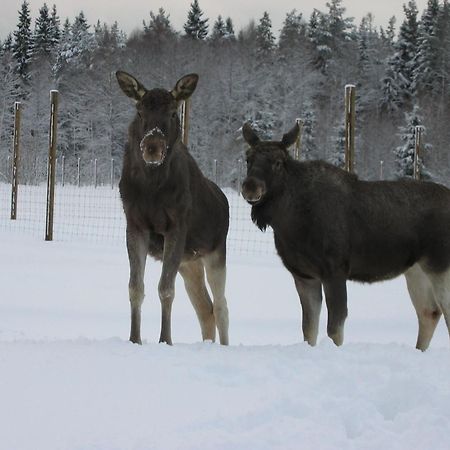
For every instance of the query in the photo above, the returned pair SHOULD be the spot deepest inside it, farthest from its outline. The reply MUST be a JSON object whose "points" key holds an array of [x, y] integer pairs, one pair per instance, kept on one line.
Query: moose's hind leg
{"points": [[193, 274], [441, 288], [420, 290], [215, 266], [336, 298]]}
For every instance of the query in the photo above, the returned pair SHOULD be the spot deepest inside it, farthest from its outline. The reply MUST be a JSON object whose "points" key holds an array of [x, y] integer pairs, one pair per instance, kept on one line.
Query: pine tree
{"points": [[196, 27], [309, 147], [292, 34], [426, 71], [319, 37], [265, 40], [43, 41], [229, 29], [337, 154], [159, 24], [54, 28], [219, 30], [397, 84], [23, 42], [340, 29], [404, 154]]}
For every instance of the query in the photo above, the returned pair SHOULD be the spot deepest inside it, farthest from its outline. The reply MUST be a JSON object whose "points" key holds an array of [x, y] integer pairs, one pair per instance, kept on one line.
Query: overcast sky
{"points": [[130, 13]]}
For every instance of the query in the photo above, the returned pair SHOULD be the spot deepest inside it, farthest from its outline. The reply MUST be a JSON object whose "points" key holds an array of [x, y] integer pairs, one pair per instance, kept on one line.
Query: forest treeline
{"points": [[401, 72]]}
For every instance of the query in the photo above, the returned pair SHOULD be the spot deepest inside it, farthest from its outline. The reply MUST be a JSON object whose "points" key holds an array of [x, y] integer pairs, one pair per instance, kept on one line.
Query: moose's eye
{"points": [[174, 115], [278, 164]]}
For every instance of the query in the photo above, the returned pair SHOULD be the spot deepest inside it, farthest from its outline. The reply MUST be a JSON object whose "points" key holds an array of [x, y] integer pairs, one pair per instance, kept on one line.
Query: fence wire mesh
{"points": [[88, 206]]}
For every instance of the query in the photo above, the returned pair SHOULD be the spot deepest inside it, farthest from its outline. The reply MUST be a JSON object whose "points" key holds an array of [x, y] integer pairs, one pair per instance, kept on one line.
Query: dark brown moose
{"points": [[331, 227], [172, 211]]}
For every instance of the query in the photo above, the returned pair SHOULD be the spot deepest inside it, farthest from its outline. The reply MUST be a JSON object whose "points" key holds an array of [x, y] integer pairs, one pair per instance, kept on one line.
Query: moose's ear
{"points": [[291, 136], [185, 87], [130, 86], [249, 135]]}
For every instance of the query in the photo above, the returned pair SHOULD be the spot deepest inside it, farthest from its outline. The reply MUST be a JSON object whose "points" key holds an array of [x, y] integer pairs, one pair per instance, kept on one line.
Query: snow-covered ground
{"points": [[69, 380]]}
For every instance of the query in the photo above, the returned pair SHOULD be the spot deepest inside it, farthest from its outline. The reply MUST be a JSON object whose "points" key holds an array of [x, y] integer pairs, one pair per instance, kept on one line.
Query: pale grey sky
{"points": [[130, 13]]}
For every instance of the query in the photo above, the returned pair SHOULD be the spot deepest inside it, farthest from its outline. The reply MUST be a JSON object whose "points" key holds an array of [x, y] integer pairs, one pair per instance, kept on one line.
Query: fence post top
{"points": [[350, 86], [17, 104]]}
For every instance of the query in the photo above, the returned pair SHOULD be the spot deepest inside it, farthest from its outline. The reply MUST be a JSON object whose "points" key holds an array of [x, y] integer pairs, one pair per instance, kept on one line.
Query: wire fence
{"points": [[88, 205]]}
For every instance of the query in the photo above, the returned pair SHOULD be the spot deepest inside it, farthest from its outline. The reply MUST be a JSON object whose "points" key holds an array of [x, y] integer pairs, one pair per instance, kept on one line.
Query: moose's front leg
{"points": [[173, 252], [336, 298], [310, 293], [137, 246]]}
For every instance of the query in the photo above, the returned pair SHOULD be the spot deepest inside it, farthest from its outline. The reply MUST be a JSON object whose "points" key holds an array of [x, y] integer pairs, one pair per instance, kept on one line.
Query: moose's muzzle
{"points": [[154, 147], [253, 190]]}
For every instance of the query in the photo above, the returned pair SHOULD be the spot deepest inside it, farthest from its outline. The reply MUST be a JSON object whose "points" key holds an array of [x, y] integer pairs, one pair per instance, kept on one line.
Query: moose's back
{"points": [[395, 224]]}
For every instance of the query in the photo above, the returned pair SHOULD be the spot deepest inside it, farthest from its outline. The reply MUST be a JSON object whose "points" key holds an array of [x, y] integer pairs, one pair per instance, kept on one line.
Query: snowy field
{"points": [[70, 380]]}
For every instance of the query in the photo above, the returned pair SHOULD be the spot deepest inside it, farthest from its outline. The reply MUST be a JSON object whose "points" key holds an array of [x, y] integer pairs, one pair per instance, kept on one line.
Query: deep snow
{"points": [[70, 380]]}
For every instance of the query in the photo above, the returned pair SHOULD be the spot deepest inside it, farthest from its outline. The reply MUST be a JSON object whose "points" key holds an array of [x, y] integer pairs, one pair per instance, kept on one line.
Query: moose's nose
{"points": [[253, 190], [153, 148]]}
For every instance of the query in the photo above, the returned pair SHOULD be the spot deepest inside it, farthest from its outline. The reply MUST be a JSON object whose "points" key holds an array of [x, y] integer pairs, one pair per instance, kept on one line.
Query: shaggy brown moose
{"points": [[173, 212], [331, 227]]}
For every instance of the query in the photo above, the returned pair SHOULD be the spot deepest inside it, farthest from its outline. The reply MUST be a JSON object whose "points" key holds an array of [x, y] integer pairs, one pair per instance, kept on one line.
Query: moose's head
{"points": [[265, 163], [156, 124]]}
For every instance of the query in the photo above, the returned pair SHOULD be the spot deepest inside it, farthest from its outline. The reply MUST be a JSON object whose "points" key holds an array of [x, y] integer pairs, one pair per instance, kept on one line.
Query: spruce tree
{"points": [[54, 29], [229, 29], [23, 43], [265, 40], [43, 41], [398, 82], [337, 154], [292, 33], [404, 154], [309, 148], [219, 30], [319, 37], [196, 27], [159, 24], [426, 71]]}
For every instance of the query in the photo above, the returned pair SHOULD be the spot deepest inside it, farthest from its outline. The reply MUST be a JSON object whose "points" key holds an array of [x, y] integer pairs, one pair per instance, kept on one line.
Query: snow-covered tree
{"points": [[23, 42], [337, 152], [292, 34], [319, 36], [401, 66], [426, 66], [404, 154], [43, 39], [196, 27], [229, 29], [159, 25], [265, 40], [309, 146], [77, 44], [219, 30]]}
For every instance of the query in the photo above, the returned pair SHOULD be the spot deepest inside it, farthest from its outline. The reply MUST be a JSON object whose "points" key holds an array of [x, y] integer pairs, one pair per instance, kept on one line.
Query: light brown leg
{"points": [[420, 290], [216, 274], [193, 274]]}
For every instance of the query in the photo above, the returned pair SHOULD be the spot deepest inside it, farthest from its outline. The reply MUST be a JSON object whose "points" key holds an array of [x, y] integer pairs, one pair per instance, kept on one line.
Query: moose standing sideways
{"points": [[172, 212], [330, 227]]}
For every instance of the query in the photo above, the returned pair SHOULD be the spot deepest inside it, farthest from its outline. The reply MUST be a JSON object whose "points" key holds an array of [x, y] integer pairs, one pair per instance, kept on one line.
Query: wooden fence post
{"points": [[298, 142], [185, 108], [51, 165], [381, 169], [15, 163], [350, 94], [417, 147], [112, 173]]}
